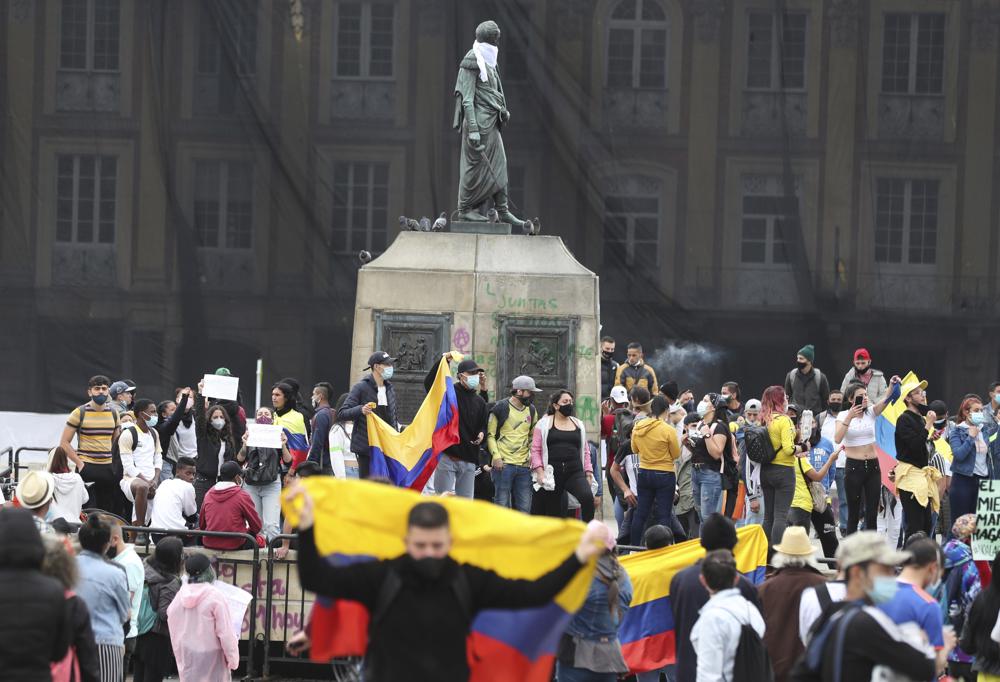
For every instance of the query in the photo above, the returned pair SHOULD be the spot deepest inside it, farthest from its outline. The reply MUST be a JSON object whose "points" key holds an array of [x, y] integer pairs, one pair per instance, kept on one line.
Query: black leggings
{"points": [[862, 478], [570, 479], [916, 516]]}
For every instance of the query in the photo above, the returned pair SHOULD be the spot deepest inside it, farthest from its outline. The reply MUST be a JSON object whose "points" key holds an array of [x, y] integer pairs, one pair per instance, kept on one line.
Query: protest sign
{"points": [[986, 541], [221, 387], [264, 436]]}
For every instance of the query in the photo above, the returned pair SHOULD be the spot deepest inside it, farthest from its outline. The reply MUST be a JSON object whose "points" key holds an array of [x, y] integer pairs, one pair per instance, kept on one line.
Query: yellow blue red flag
{"points": [[647, 630], [363, 520], [885, 432], [409, 457]]}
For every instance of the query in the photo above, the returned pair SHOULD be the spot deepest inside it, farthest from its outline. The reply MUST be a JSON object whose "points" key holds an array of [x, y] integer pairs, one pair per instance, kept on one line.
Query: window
{"points": [[364, 40], [236, 48], [776, 64], [88, 35], [223, 204], [637, 45], [906, 213], [360, 206], [913, 54], [632, 222], [85, 198], [765, 221]]}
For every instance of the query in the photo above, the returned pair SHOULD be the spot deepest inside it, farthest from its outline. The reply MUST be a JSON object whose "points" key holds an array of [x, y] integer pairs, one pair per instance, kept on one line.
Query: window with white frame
{"points": [[89, 35], [632, 214], [638, 35], [766, 216], [360, 206], [364, 39], [223, 204], [913, 54], [776, 50], [906, 218], [86, 198]]}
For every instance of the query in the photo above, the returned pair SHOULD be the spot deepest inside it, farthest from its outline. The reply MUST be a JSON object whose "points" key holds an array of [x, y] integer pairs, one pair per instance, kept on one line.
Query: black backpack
{"points": [[622, 431], [757, 442], [116, 456], [261, 466], [752, 663]]}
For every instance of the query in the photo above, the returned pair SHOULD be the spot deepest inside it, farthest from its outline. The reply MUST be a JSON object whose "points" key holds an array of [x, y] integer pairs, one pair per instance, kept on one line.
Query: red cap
{"points": [[862, 354]]}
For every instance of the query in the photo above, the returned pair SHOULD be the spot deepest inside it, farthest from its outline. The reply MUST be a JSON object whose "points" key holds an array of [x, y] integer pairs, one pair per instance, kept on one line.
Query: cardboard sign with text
{"points": [[986, 541]]}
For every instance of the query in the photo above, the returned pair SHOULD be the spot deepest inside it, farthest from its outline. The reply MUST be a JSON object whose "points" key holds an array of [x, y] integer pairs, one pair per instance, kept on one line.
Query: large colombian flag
{"points": [[647, 630], [362, 520], [885, 431], [409, 457]]}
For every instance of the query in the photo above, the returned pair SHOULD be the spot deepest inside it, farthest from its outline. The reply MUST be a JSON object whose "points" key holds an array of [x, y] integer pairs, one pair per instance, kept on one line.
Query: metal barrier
{"points": [[15, 460], [278, 570], [222, 560]]}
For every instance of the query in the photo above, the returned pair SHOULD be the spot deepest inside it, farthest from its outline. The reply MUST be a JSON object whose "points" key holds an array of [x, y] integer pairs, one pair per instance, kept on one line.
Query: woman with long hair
{"points": [[216, 444], [972, 460], [976, 640], [202, 635], [70, 493], [81, 662], [710, 443], [262, 475], [154, 657], [560, 442], [290, 416], [862, 475], [777, 477]]}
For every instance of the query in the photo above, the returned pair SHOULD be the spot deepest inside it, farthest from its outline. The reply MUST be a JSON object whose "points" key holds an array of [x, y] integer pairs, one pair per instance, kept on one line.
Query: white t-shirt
{"points": [[135, 574], [810, 610], [184, 442], [143, 457], [860, 431], [174, 500]]}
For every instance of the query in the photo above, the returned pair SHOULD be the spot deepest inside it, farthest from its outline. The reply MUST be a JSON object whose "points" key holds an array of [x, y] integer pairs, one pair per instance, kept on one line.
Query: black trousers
{"points": [[570, 478], [202, 484], [916, 516], [102, 493], [862, 480], [364, 465]]}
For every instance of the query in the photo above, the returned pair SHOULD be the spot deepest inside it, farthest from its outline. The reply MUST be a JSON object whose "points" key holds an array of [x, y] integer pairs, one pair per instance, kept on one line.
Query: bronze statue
{"points": [[480, 114]]}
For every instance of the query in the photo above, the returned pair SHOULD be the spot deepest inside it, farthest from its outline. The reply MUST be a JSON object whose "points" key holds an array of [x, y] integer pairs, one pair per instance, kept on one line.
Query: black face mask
{"points": [[940, 423], [607, 354], [802, 364], [112, 552], [922, 409], [836, 407], [429, 569], [526, 399], [567, 410]]}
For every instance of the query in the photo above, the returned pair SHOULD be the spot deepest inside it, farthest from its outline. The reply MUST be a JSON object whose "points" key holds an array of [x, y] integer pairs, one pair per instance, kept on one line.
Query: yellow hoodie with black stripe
{"points": [[656, 443]]}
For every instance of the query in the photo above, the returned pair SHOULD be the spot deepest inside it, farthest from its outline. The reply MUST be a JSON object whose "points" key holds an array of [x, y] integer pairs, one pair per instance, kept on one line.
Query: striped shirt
{"points": [[94, 429]]}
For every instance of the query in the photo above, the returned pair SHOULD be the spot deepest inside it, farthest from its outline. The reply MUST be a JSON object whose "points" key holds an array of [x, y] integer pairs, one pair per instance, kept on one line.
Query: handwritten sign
{"points": [[986, 541], [221, 387], [263, 436]]}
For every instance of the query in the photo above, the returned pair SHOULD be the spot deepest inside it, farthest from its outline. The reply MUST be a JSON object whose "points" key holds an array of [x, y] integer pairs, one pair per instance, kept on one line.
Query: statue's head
{"points": [[488, 32]]}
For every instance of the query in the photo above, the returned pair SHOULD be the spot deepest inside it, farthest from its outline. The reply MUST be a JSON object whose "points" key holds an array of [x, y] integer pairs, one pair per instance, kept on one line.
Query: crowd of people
{"points": [[802, 459]]}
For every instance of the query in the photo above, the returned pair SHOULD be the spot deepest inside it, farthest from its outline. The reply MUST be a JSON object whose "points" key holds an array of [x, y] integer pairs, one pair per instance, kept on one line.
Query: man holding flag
{"points": [[373, 389], [422, 603], [456, 470]]}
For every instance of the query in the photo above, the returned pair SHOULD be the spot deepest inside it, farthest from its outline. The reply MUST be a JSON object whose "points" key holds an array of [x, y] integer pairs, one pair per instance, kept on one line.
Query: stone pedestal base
{"points": [[479, 228]]}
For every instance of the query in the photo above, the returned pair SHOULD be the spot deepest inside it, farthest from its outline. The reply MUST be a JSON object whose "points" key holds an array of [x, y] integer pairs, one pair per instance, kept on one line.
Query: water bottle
{"points": [[806, 426]]}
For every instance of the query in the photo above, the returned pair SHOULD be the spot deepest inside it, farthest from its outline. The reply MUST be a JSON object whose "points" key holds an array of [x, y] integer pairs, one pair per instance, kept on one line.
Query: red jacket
{"points": [[229, 509]]}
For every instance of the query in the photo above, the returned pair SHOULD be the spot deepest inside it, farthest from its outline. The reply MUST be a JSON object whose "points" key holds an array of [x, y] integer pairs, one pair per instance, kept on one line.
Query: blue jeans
{"points": [[842, 499], [267, 501], [751, 518], [658, 486], [567, 673], [707, 485], [166, 470], [513, 481], [455, 476], [963, 495]]}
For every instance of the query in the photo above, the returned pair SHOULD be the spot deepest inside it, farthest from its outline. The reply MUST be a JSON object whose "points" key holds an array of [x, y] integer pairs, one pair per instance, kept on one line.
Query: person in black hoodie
{"points": [[216, 444], [456, 472], [34, 621], [169, 417], [154, 656], [61, 565], [374, 387]]}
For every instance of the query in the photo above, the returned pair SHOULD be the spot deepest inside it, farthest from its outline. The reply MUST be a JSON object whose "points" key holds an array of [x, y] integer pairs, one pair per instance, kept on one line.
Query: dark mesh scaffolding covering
{"points": [[186, 185]]}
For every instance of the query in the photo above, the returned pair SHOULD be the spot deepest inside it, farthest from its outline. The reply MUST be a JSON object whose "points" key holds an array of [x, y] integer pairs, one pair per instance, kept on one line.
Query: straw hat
{"points": [[35, 489], [795, 542]]}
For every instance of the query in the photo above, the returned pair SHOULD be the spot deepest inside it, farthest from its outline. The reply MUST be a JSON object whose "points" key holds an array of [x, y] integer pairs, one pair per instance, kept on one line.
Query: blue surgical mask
{"points": [[703, 409], [99, 399], [996, 398], [152, 421], [472, 381], [883, 589], [387, 373], [977, 418]]}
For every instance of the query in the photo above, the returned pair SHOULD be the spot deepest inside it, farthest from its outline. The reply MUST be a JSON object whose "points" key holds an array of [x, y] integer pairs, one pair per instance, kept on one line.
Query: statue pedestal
{"points": [[462, 227]]}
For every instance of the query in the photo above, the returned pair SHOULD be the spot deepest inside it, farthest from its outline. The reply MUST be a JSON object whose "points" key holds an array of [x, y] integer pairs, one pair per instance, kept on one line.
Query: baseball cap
{"points": [[466, 366], [524, 383], [862, 354], [117, 388], [868, 545], [223, 372], [752, 404], [619, 394], [130, 384], [229, 471], [379, 357]]}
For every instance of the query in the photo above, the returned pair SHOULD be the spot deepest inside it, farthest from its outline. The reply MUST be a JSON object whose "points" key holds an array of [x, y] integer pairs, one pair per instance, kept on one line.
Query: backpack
{"points": [[758, 445], [621, 434], [817, 377], [147, 614], [116, 456], [950, 601], [752, 663], [261, 466], [501, 410], [810, 666]]}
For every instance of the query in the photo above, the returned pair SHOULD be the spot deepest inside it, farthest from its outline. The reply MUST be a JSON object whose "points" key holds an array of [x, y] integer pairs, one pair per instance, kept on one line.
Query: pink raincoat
{"points": [[202, 635]]}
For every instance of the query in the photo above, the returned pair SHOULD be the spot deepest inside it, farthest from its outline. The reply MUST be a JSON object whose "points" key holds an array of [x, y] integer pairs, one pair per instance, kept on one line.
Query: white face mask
{"points": [[218, 423]]}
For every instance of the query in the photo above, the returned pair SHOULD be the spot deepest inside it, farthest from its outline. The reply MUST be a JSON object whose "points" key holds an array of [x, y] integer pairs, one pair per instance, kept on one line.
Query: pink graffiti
{"points": [[460, 339]]}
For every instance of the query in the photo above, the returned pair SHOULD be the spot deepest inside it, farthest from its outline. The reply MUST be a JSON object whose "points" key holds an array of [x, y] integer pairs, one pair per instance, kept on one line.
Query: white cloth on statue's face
{"points": [[485, 54]]}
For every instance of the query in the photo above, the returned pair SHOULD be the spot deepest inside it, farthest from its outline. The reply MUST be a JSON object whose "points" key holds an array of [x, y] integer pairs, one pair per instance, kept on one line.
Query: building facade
{"points": [[187, 184]]}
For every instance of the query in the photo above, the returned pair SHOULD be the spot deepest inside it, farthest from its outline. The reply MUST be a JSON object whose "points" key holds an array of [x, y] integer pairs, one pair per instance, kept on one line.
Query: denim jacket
{"points": [[594, 620], [963, 450]]}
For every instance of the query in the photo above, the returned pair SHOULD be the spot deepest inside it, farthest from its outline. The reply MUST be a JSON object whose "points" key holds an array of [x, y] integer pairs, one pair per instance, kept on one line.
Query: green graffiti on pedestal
{"points": [[588, 409]]}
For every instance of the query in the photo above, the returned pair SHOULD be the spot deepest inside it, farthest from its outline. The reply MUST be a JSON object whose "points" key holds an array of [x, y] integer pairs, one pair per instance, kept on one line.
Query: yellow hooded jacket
{"points": [[655, 441]]}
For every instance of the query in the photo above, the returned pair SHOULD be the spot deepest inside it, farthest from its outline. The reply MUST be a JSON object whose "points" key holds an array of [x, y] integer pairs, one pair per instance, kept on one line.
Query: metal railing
{"points": [[14, 461]]}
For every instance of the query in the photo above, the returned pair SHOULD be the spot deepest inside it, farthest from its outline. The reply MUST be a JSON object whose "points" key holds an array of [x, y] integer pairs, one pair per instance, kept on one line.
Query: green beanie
{"points": [[808, 352]]}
